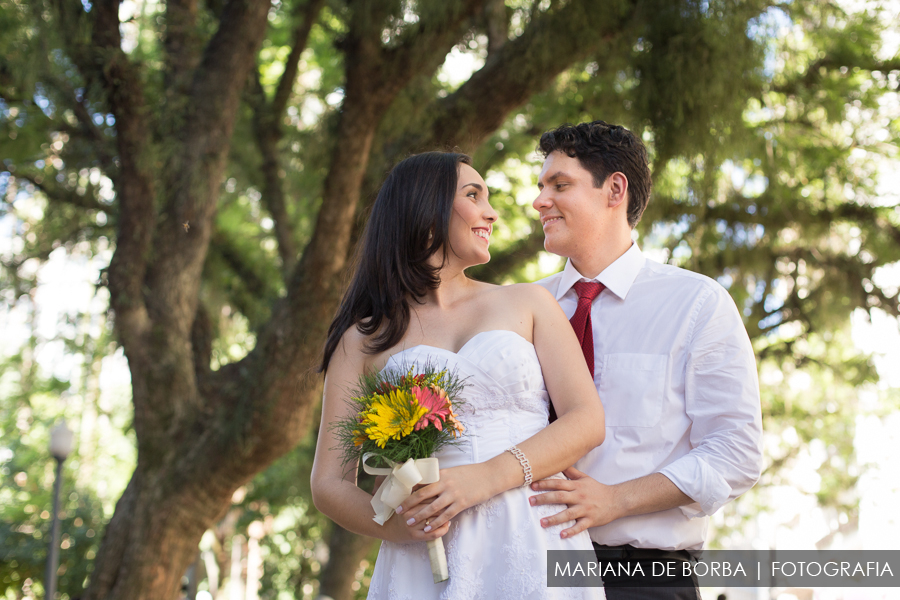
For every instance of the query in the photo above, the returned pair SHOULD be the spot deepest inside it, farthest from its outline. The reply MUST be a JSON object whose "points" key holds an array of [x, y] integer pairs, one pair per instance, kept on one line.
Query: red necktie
{"points": [[581, 323], [581, 320]]}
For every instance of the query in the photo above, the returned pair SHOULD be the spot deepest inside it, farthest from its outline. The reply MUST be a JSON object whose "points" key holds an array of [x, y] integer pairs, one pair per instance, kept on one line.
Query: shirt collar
{"points": [[617, 277]]}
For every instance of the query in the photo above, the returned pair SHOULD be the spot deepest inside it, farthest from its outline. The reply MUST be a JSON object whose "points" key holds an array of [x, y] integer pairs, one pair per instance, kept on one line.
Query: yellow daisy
{"points": [[392, 416]]}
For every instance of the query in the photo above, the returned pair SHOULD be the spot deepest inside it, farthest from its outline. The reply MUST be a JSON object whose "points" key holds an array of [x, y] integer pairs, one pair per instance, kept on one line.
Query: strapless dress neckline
{"points": [[469, 342]]}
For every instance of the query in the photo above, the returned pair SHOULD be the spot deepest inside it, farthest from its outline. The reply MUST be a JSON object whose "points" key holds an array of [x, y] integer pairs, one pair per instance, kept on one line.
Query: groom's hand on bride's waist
{"points": [[592, 504], [589, 502]]}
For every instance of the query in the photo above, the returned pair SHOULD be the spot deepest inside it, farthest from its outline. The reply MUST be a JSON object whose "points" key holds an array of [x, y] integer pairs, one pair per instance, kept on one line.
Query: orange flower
{"points": [[457, 426], [359, 437]]}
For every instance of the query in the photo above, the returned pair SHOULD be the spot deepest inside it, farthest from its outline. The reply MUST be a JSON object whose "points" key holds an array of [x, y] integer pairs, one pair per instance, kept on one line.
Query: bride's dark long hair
{"points": [[410, 221]]}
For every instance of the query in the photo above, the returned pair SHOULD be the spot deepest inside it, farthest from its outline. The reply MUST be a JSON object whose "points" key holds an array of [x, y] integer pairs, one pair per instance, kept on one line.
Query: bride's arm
{"points": [[579, 428], [333, 483]]}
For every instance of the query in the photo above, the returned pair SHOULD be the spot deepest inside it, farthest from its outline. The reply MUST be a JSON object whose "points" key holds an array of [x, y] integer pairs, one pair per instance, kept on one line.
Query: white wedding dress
{"points": [[496, 550]]}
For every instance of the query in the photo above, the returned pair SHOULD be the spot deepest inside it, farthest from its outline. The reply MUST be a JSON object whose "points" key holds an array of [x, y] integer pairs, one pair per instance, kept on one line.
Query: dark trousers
{"points": [[660, 576]]}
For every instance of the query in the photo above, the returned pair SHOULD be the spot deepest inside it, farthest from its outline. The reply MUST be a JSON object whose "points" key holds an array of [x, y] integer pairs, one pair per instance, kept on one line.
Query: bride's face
{"points": [[471, 222]]}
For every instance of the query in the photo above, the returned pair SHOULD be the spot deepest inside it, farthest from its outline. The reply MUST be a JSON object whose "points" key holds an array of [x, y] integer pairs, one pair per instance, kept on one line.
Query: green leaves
{"points": [[769, 129], [696, 63]]}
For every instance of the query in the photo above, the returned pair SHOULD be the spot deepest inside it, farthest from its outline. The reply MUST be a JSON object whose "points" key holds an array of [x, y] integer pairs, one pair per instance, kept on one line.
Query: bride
{"points": [[410, 303]]}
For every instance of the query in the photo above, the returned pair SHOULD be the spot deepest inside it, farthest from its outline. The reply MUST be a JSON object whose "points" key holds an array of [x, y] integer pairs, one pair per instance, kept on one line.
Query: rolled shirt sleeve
{"points": [[722, 401]]}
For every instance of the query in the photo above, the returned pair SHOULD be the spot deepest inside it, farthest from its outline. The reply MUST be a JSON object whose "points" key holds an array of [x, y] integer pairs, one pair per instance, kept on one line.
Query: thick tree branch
{"points": [[196, 171], [182, 45], [116, 538], [61, 195], [733, 212], [253, 290], [169, 403], [374, 78], [304, 22], [497, 25], [424, 46], [102, 144], [135, 181], [819, 68], [525, 66], [268, 133], [202, 335], [267, 126]]}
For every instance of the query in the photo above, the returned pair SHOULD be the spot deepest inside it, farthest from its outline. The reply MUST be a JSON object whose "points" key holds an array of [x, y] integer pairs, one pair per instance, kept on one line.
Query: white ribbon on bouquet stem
{"points": [[401, 477], [396, 488]]}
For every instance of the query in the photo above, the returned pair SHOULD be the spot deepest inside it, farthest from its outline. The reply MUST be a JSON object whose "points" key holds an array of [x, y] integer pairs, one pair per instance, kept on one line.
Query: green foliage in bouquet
{"points": [[397, 414]]}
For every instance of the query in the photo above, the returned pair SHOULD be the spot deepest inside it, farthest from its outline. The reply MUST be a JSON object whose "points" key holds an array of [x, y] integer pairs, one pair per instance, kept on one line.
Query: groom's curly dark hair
{"points": [[604, 149]]}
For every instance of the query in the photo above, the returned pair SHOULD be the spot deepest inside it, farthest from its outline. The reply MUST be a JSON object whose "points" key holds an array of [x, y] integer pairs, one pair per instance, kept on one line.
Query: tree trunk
{"points": [[150, 542], [345, 552], [179, 487]]}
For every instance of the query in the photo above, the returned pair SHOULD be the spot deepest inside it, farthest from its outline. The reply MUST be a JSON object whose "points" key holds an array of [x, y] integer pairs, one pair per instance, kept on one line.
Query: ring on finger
{"points": [[428, 521]]}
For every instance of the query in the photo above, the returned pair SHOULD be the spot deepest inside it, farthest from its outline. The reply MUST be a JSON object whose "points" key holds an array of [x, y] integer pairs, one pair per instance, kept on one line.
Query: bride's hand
{"points": [[458, 489], [402, 533], [399, 532]]}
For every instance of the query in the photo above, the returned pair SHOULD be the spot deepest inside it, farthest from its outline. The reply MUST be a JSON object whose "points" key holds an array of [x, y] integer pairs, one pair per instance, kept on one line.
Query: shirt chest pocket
{"points": [[632, 388]]}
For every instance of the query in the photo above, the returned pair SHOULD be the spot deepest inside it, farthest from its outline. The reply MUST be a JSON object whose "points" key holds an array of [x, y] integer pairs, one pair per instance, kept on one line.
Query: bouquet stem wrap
{"points": [[397, 486]]}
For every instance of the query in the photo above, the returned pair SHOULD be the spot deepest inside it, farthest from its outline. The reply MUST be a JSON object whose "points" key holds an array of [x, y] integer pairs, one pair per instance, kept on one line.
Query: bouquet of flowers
{"points": [[399, 419]]}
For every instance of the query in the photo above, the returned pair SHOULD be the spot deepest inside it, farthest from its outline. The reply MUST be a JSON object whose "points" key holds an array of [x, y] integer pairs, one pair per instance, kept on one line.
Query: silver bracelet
{"points": [[526, 466]]}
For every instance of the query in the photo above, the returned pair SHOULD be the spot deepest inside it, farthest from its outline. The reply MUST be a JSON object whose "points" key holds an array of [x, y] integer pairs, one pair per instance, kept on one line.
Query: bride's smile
{"points": [[471, 224]]}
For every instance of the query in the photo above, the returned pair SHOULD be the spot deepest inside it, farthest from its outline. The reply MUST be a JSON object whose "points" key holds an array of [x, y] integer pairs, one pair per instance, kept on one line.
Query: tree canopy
{"points": [[218, 159]]}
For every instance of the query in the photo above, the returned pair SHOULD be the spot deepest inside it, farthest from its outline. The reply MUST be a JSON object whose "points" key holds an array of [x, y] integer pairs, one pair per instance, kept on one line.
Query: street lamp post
{"points": [[60, 447]]}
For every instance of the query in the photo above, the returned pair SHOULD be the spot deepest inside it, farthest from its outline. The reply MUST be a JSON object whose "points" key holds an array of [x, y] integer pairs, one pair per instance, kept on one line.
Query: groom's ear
{"points": [[617, 184]]}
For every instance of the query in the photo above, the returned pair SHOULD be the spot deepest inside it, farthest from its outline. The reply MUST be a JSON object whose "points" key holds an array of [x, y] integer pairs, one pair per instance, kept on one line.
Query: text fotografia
{"points": [[731, 568]]}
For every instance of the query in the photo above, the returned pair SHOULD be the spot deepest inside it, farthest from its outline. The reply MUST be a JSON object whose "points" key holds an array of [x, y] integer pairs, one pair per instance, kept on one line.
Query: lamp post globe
{"points": [[61, 442]]}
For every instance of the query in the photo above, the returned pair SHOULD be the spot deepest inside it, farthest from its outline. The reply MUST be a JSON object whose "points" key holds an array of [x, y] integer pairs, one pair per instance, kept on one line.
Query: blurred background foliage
{"points": [[773, 131]]}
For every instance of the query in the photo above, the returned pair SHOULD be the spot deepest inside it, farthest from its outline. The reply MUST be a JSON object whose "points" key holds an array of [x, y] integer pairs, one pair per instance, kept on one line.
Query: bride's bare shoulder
{"points": [[353, 346], [518, 299], [531, 294]]}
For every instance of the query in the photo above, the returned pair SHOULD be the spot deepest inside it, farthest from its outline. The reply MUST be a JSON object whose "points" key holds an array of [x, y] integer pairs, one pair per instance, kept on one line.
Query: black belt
{"points": [[629, 552]]}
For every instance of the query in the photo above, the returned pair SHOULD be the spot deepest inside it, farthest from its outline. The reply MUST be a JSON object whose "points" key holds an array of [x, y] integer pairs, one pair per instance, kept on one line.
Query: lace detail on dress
{"points": [[396, 585], [521, 578], [534, 402], [489, 510], [465, 574]]}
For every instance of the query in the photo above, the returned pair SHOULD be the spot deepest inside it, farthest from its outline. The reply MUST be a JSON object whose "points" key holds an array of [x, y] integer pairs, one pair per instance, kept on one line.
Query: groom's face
{"points": [[571, 208]]}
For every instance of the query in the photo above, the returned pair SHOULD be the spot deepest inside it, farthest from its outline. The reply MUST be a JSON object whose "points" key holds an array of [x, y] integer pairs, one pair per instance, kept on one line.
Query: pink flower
{"points": [[435, 400]]}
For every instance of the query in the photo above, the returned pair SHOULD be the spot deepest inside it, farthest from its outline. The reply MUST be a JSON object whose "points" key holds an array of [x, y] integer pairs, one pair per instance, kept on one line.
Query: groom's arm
{"points": [[722, 401], [592, 504]]}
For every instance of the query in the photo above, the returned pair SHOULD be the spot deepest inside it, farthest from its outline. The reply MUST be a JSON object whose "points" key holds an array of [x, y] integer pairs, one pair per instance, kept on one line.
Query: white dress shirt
{"points": [[677, 377]]}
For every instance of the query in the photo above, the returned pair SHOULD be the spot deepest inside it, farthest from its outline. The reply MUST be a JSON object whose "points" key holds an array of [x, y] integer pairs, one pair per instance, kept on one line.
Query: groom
{"points": [[669, 355]]}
